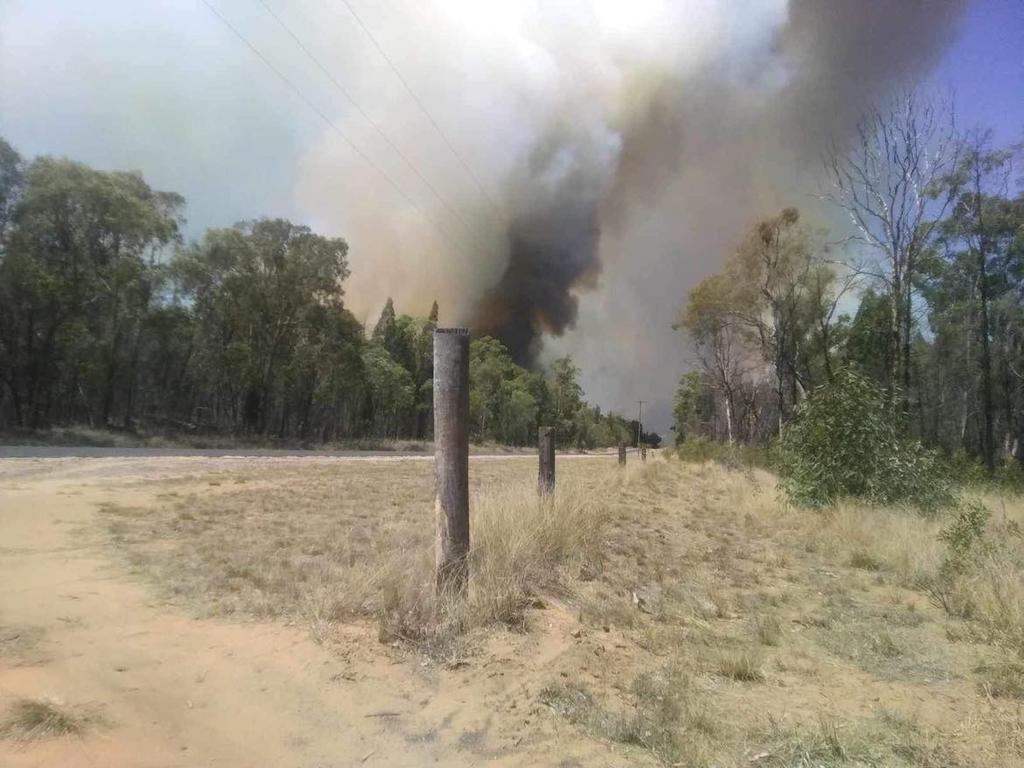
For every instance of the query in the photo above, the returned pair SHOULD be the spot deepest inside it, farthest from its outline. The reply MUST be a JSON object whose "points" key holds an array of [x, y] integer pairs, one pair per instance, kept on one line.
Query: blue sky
{"points": [[985, 67]]}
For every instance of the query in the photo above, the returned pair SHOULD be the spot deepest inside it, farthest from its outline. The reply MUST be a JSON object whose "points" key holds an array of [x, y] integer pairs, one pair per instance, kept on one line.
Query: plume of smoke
{"points": [[622, 147], [627, 150]]}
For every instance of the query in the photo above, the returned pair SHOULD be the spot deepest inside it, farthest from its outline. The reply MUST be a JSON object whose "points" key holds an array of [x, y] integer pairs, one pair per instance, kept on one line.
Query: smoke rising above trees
{"points": [[623, 147]]}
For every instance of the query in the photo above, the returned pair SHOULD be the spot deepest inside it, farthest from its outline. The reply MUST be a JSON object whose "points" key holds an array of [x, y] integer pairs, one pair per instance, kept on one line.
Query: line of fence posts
{"points": [[451, 460]]}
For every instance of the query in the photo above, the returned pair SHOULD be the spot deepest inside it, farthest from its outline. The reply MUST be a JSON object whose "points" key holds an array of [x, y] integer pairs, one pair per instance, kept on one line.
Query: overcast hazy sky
{"points": [[164, 87]]}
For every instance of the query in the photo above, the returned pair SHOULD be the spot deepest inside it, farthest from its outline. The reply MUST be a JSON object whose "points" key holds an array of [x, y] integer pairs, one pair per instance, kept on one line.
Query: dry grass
{"points": [[1003, 679], [989, 590], [20, 645], [744, 665], [887, 739], [37, 719], [337, 544], [719, 627], [664, 714]]}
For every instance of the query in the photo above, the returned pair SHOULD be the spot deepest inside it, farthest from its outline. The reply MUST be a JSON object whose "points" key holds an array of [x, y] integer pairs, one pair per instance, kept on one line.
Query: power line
{"points": [[330, 123], [380, 131], [419, 102]]}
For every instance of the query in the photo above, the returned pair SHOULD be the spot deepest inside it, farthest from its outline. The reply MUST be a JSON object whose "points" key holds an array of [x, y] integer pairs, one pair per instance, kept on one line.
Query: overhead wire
{"points": [[419, 103], [330, 123], [373, 123]]}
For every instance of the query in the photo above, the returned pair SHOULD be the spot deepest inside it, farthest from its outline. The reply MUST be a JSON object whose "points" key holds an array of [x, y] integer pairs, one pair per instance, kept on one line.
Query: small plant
{"points": [[885, 645], [964, 540], [865, 561], [743, 665], [1003, 680], [667, 717], [966, 531], [36, 719], [768, 629]]}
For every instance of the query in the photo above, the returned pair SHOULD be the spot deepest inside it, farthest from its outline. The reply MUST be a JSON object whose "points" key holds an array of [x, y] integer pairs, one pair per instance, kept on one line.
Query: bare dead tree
{"points": [[889, 181]]}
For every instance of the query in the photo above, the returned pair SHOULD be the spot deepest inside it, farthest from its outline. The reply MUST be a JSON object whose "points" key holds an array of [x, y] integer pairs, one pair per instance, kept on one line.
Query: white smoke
{"points": [[681, 121]]}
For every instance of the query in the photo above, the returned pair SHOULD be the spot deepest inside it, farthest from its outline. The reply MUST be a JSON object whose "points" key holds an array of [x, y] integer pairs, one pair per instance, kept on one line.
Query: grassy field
{"points": [[708, 624]]}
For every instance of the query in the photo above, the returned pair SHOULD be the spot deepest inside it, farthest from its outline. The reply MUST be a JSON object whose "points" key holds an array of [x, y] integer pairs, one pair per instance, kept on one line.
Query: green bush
{"points": [[843, 443]]}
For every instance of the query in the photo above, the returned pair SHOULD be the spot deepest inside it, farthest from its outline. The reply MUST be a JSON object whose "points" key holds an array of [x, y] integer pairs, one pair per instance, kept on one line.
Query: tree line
{"points": [[925, 296], [109, 318]]}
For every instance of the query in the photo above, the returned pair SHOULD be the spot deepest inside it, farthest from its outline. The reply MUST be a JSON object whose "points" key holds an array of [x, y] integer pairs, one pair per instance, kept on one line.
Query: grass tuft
{"points": [[1004, 679], [742, 665], [37, 719], [768, 629], [666, 716]]}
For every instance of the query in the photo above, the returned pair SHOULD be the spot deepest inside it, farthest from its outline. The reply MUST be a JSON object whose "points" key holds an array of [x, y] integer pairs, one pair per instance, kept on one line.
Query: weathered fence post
{"points": [[643, 453], [622, 452], [451, 458], [546, 466]]}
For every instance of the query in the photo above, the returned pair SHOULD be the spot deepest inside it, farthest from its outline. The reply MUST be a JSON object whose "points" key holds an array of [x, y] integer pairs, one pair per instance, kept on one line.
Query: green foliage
{"points": [[684, 407], [843, 443], [505, 399], [964, 538], [107, 319], [966, 530], [507, 403], [736, 456]]}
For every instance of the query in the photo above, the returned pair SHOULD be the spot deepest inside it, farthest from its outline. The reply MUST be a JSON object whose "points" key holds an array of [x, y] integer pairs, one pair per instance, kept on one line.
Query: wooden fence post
{"points": [[451, 458], [643, 453], [622, 453], [546, 466]]}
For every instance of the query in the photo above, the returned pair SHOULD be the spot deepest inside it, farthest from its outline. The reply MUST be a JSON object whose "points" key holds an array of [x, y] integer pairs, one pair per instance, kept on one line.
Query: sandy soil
{"points": [[178, 691], [693, 558]]}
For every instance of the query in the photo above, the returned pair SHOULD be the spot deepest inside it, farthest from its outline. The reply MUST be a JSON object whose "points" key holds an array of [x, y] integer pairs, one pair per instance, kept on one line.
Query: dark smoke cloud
{"points": [[552, 252], [624, 146], [704, 153]]}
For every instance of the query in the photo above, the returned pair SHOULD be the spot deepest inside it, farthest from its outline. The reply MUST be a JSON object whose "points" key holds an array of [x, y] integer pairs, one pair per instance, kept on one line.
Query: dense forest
{"points": [[925, 297], [109, 318]]}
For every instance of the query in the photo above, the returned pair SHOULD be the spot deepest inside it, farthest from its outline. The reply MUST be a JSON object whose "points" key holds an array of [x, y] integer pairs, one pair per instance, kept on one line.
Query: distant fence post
{"points": [[643, 453], [451, 458], [622, 452], [546, 466]]}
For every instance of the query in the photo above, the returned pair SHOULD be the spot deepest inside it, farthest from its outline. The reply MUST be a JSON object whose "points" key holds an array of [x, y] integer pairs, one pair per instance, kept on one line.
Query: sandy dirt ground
{"points": [[179, 691], [696, 563]]}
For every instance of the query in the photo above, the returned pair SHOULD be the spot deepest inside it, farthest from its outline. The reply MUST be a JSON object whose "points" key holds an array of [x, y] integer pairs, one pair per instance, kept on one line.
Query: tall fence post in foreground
{"points": [[546, 467], [622, 453], [451, 458]]}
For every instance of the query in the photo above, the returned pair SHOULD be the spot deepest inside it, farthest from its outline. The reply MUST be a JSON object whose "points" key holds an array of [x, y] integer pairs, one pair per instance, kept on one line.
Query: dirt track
{"points": [[179, 691]]}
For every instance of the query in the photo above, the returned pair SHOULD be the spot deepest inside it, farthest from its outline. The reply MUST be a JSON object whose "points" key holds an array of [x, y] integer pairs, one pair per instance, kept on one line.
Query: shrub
{"points": [[843, 443]]}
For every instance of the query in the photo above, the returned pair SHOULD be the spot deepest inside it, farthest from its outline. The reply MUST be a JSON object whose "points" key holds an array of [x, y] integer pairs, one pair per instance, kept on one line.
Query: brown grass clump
{"points": [[1004, 679], [768, 629], [987, 587], [743, 665], [684, 576], [37, 719], [342, 543], [521, 546], [886, 739], [663, 714]]}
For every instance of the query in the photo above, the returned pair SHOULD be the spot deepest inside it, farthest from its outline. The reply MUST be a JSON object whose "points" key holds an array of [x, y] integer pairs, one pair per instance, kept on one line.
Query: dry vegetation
{"points": [[727, 629], [37, 719]]}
